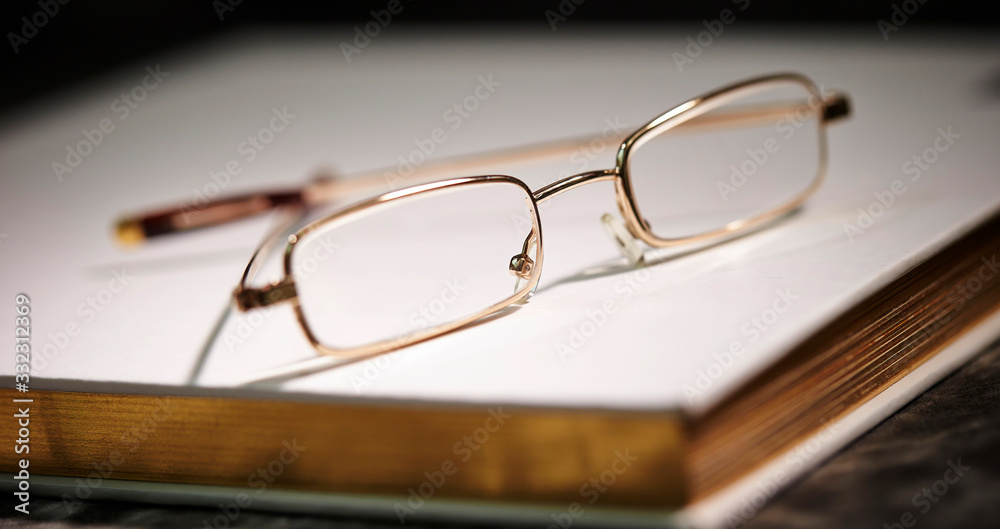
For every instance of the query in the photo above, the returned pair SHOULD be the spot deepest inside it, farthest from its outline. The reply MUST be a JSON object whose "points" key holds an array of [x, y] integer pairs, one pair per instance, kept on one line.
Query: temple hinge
{"points": [[252, 298]]}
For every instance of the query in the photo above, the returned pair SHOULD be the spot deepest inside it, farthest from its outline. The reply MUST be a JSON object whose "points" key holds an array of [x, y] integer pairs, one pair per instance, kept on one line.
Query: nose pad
{"points": [[521, 266], [624, 240]]}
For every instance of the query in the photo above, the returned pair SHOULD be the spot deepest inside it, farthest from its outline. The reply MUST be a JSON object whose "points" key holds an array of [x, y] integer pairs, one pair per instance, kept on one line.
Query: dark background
{"points": [[89, 37], [869, 484]]}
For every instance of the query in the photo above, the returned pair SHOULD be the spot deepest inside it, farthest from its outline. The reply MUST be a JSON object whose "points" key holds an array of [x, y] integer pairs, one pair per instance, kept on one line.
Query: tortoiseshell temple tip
{"points": [[129, 233], [836, 107]]}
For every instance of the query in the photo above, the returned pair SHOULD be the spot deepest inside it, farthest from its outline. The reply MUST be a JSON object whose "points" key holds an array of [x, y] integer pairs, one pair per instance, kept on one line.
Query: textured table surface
{"points": [[895, 476]]}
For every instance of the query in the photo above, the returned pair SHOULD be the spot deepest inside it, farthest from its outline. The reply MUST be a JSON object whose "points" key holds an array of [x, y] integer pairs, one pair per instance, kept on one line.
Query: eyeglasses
{"points": [[418, 262]]}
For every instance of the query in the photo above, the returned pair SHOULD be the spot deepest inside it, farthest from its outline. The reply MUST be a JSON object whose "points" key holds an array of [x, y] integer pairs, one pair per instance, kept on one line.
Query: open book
{"points": [[691, 387]]}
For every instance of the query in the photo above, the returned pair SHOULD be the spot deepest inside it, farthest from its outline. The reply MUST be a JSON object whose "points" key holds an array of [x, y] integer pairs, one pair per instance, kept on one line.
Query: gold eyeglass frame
{"points": [[135, 229]]}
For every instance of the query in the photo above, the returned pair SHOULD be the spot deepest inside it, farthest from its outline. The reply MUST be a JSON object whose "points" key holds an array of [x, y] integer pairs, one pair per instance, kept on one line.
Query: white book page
{"points": [[662, 346]]}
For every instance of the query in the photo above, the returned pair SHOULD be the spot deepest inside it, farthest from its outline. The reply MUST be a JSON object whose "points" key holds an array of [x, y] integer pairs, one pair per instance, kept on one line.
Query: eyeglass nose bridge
{"points": [[616, 229], [572, 182]]}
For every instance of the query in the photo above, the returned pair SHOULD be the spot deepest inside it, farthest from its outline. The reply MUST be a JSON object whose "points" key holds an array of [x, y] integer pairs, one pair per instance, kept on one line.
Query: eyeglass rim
{"points": [[624, 191], [385, 346], [834, 107]]}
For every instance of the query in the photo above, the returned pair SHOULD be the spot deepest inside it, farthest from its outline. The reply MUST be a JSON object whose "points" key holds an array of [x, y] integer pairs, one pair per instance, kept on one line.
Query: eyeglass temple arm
{"points": [[134, 230]]}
